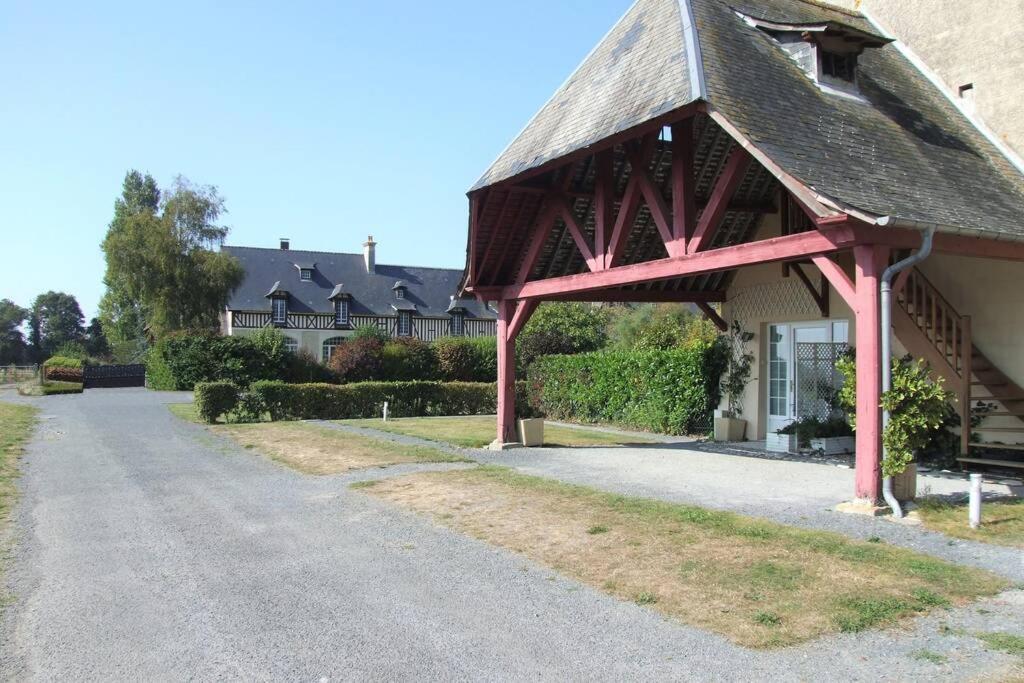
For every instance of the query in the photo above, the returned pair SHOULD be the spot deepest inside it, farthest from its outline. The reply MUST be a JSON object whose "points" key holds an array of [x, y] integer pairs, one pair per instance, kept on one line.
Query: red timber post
{"points": [[511, 319], [870, 261]]}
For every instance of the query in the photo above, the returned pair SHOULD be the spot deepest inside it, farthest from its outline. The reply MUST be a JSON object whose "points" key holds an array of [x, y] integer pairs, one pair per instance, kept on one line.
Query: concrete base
{"points": [[862, 507], [497, 445]]}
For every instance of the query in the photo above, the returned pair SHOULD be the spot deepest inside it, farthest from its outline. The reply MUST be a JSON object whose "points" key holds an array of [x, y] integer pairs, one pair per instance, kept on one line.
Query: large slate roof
{"points": [[903, 150], [428, 289]]}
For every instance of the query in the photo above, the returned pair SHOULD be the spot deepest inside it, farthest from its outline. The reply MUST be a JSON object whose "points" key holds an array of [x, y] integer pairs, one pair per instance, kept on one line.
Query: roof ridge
{"points": [[341, 253]]}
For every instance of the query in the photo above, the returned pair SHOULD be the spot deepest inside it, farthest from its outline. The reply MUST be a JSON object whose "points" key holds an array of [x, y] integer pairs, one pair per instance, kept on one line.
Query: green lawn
{"points": [[16, 422], [1002, 522], [476, 431]]}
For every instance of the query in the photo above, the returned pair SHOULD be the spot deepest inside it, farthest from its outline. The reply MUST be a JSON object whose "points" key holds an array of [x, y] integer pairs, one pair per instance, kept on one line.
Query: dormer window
{"points": [[841, 67], [341, 312], [305, 274], [279, 310], [400, 293]]}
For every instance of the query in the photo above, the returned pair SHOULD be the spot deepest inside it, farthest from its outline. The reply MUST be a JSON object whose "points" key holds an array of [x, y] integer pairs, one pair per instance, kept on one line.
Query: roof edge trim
{"points": [[693, 54]]}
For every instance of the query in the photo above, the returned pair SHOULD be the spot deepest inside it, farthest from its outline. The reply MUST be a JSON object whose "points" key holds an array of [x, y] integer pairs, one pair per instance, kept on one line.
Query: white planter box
{"points": [[836, 445], [531, 431], [730, 429], [781, 443]]}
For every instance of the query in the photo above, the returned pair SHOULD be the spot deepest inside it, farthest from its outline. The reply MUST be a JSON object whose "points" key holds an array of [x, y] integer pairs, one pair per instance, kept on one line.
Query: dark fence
{"points": [[110, 376]]}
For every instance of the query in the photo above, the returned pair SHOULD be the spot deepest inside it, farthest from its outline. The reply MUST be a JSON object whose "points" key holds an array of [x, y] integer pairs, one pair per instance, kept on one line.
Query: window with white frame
{"points": [[458, 323], [279, 308], [291, 345], [305, 274], [341, 312], [404, 324], [328, 347], [399, 292]]}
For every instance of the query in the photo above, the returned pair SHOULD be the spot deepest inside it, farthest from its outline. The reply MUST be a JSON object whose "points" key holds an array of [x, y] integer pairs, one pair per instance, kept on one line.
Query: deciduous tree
{"points": [[56, 319], [13, 348]]}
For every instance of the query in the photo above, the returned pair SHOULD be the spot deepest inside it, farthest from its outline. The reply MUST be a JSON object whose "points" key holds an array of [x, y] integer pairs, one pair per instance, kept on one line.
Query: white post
{"points": [[385, 411], [975, 505]]}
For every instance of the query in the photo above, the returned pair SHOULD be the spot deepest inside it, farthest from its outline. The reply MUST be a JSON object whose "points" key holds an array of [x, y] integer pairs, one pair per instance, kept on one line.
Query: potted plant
{"points": [[833, 437], [783, 440], [729, 426]]}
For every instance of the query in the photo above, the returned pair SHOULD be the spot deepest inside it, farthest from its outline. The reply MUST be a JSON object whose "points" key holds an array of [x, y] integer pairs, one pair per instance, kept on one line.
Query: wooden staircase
{"points": [[930, 328]]}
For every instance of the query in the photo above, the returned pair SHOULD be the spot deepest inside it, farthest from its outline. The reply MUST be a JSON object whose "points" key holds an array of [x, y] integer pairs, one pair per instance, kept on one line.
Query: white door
{"points": [[797, 384]]}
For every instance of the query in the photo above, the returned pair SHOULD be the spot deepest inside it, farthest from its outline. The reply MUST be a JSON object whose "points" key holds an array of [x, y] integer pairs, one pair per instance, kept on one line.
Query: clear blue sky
{"points": [[319, 121]]}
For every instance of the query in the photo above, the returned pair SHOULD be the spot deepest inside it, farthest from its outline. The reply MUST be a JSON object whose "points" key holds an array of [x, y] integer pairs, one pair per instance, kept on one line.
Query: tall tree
{"points": [[56, 319], [164, 260], [96, 344], [13, 348]]}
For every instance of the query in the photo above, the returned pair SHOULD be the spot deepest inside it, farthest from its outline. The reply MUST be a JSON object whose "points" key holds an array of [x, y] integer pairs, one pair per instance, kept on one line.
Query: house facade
{"points": [[772, 162], [317, 299]]}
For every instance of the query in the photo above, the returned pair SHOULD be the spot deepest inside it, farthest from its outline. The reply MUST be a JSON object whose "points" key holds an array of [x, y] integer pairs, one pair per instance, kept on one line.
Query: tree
{"points": [[658, 326], [561, 327], [162, 269], [56, 319], [96, 344], [13, 348]]}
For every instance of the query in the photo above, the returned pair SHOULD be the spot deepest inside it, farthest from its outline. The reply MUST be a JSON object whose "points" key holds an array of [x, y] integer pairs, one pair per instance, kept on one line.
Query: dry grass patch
{"points": [[476, 431], [1002, 522], [758, 583], [16, 422], [315, 449]]}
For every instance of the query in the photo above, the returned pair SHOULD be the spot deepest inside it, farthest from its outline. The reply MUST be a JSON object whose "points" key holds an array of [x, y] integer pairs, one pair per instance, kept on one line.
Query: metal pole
{"points": [[975, 505]]}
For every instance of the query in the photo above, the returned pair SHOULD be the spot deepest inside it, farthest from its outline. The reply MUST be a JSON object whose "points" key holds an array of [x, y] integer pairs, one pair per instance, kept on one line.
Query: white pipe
{"points": [[886, 296], [974, 516]]}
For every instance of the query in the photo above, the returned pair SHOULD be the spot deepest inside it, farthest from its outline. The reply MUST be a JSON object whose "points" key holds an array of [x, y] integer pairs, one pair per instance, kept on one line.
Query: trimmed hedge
{"points": [[669, 391], [283, 401], [214, 399], [466, 359], [179, 362], [63, 369]]}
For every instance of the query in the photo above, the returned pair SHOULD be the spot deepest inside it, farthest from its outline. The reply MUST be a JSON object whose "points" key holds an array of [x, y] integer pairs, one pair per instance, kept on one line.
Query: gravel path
{"points": [[150, 549]]}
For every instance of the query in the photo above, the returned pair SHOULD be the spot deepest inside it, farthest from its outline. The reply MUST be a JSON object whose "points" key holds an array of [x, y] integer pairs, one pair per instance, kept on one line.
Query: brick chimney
{"points": [[285, 243], [370, 254]]}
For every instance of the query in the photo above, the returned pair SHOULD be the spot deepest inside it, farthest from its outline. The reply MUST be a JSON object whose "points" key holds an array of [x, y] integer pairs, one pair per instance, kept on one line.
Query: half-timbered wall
{"points": [[423, 328]]}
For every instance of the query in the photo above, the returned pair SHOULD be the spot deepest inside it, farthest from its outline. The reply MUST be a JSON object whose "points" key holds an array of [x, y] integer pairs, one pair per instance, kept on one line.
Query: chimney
{"points": [[370, 254], [284, 244]]}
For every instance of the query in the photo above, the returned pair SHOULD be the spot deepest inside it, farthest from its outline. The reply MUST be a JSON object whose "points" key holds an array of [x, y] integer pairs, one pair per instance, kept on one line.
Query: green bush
{"points": [[213, 399], [559, 327], [463, 359], [55, 388], [179, 362], [408, 359], [670, 391]]}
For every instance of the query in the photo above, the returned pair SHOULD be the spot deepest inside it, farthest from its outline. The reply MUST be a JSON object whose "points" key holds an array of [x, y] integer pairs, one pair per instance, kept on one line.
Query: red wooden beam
{"points": [[577, 233], [790, 247], [640, 296], [759, 205], [960, 245], [538, 236], [901, 281], [523, 312], [839, 279], [713, 316], [725, 187], [660, 212], [603, 204], [623, 224], [494, 230], [684, 210], [820, 296]]}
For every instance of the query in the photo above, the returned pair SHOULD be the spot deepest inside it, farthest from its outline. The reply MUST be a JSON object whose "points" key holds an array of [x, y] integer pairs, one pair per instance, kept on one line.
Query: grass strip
{"points": [[1002, 521], [476, 431], [759, 583]]}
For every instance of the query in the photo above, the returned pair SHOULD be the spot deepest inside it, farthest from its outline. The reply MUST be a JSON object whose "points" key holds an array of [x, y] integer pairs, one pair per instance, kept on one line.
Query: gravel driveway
{"points": [[148, 548]]}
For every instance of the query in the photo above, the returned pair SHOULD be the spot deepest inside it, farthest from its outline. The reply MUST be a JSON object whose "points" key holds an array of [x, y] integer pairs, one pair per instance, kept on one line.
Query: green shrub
{"points": [[269, 396], [463, 359], [408, 359], [179, 362], [63, 369], [303, 366], [560, 327], [670, 391], [358, 359], [213, 399], [56, 388]]}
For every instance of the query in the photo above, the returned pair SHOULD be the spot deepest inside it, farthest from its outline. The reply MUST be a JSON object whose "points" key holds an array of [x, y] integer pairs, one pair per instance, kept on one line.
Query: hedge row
{"points": [[281, 401], [670, 391], [63, 369]]}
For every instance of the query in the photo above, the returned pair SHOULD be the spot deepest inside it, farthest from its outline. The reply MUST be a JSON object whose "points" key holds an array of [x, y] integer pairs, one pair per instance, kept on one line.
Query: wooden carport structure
{"points": [[644, 180]]}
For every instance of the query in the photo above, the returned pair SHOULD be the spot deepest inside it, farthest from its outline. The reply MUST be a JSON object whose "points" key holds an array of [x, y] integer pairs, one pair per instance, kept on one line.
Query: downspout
{"points": [[886, 297]]}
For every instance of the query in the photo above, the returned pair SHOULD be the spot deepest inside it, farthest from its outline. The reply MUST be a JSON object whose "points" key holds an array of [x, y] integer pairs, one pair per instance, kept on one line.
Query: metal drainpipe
{"points": [[886, 296]]}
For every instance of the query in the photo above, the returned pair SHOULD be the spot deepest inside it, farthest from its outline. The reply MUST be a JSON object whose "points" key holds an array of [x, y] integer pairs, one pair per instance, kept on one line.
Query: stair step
{"points": [[995, 463], [999, 413], [1006, 446], [999, 429], [997, 398], [989, 384]]}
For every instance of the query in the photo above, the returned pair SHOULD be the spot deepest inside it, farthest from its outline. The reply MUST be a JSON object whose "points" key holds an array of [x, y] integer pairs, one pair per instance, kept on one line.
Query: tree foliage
{"points": [[648, 327], [55, 320], [163, 272], [13, 347], [562, 328]]}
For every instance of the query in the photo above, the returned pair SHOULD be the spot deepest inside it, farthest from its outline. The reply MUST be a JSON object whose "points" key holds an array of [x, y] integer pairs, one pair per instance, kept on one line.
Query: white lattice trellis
{"points": [[785, 299]]}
